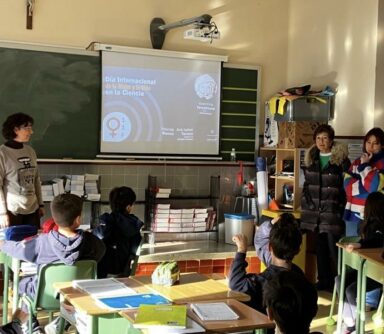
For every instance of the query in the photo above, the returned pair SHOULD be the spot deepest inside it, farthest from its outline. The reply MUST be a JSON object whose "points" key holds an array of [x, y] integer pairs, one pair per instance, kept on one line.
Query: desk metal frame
{"points": [[356, 262], [373, 267]]}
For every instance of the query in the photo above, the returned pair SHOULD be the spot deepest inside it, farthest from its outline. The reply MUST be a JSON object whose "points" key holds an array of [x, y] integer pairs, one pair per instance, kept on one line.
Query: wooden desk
{"points": [[193, 286], [101, 320], [373, 267], [249, 319], [98, 320]]}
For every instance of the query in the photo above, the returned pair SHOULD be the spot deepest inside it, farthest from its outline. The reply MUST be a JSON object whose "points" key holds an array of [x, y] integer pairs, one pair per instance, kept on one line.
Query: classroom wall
{"points": [[295, 41], [253, 31], [186, 180], [334, 42], [379, 96]]}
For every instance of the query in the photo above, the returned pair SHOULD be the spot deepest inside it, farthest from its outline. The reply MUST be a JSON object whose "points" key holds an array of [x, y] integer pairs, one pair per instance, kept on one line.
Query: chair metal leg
{"points": [[360, 300], [378, 316], [61, 325], [5, 293], [330, 320], [28, 303], [341, 298]]}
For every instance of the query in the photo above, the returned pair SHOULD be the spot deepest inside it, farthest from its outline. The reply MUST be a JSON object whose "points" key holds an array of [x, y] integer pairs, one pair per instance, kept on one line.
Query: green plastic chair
{"points": [[46, 296], [345, 240], [134, 261], [131, 266]]}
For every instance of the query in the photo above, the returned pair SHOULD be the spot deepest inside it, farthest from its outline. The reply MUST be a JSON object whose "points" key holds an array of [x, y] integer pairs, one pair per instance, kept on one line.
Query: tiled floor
{"points": [[320, 322]]}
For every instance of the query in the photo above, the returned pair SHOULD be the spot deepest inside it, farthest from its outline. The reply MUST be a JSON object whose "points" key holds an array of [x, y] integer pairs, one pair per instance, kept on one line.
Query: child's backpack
{"points": [[20, 232], [49, 225], [166, 273]]}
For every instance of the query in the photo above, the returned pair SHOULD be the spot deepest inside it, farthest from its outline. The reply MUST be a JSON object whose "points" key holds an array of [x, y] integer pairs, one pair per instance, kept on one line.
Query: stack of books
{"points": [[163, 192], [58, 186], [92, 187], [200, 219], [161, 218], [50, 189], [47, 191], [183, 220], [75, 185]]}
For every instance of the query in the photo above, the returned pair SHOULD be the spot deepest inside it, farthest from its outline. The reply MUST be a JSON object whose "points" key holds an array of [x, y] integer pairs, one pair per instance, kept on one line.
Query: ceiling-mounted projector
{"points": [[204, 34], [203, 29]]}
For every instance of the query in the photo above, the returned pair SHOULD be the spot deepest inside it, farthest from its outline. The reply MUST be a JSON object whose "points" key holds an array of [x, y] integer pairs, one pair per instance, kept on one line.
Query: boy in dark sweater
{"points": [[120, 232], [66, 245], [284, 243], [291, 302]]}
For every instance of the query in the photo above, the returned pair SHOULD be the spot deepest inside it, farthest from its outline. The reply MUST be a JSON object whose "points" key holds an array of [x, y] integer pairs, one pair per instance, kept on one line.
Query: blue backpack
{"points": [[20, 232]]}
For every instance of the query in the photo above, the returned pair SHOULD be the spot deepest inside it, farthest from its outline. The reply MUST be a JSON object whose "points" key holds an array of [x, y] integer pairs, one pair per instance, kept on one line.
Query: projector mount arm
{"points": [[158, 28]]}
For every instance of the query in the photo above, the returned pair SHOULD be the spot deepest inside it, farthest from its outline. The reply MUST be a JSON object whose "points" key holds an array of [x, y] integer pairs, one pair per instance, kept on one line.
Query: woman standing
{"points": [[323, 200], [20, 189], [366, 175]]}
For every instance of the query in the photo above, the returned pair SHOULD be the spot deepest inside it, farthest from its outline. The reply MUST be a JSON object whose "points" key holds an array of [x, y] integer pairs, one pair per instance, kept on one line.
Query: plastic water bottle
{"points": [[233, 155]]}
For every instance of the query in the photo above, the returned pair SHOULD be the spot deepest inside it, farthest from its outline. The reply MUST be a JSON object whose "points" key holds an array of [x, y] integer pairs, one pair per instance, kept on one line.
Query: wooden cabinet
{"points": [[285, 175]]}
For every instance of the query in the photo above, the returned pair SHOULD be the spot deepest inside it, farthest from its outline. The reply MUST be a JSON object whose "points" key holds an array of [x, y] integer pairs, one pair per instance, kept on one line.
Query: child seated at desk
{"points": [[262, 233], [291, 302], [284, 243], [66, 245], [372, 236], [120, 231]]}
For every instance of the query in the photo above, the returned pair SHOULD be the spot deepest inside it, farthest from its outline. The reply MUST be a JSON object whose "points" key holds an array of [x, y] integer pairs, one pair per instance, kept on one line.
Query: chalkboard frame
{"points": [[74, 132]]}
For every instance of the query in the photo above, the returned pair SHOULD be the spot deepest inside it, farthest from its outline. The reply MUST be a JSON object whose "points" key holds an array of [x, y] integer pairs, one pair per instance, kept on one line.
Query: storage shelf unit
{"points": [[277, 181], [197, 200]]}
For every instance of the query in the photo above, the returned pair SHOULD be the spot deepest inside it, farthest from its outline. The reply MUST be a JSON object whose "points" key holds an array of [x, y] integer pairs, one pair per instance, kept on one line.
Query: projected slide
{"points": [[160, 106]]}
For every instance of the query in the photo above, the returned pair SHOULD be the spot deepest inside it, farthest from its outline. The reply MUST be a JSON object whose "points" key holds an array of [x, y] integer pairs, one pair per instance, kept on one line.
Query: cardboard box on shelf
{"points": [[296, 134]]}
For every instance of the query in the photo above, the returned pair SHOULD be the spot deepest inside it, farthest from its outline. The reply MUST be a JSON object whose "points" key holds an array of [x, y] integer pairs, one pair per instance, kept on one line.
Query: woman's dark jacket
{"points": [[121, 235], [323, 199]]}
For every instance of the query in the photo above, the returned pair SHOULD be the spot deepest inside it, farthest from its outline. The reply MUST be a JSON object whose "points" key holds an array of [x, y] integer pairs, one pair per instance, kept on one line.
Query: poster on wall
{"points": [[271, 129]]}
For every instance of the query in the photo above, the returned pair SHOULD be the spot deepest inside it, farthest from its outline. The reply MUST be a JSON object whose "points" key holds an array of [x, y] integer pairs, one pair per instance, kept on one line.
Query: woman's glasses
{"points": [[27, 128]]}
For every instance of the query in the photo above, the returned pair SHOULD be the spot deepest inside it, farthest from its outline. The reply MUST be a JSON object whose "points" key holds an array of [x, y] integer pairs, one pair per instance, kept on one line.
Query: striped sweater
{"points": [[359, 182]]}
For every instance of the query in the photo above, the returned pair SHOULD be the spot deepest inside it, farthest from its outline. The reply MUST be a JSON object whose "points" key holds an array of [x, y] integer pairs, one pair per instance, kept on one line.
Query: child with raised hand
{"points": [[372, 236], [262, 233], [284, 243], [120, 231]]}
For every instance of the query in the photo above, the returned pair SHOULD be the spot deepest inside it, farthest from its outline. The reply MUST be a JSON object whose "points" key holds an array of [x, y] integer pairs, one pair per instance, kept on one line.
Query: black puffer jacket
{"points": [[323, 199]]}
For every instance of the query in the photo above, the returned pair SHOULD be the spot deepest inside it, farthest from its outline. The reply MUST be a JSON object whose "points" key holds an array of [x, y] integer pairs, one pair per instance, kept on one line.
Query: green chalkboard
{"points": [[61, 92], [240, 108]]}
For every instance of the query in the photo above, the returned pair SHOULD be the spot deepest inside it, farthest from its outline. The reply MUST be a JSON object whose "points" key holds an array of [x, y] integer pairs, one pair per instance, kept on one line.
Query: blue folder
{"points": [[133, 301]]}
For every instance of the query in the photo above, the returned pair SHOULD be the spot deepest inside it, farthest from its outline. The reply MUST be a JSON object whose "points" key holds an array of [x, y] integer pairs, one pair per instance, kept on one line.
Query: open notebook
{"points": [[106, 287], [214, 311], [113, 294]]}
